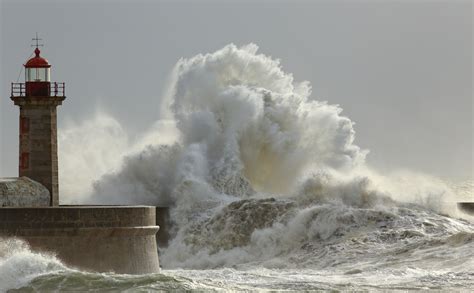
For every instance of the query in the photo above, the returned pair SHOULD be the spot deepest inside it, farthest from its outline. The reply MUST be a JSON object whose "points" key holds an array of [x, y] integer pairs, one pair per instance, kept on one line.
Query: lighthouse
{"points": [[38, 99], [121, 239]]}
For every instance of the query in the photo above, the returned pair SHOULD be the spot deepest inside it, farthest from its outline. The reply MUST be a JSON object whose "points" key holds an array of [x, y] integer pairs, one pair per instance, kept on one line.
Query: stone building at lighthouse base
{"points": [[120, 239]]}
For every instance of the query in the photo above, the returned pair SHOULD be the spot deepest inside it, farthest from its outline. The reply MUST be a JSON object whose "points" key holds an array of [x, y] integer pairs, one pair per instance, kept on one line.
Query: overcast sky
{"points": [[401, 70]]}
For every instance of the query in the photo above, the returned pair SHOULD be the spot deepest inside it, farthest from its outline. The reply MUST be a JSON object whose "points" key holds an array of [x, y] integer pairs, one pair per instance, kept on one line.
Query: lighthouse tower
{"points": [[121, 239], [38, 98]]}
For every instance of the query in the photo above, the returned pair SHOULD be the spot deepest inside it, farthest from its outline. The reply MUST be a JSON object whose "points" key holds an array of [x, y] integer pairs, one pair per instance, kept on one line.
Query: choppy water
{"points": [[263, 279], [267, 189], [399, 248]]}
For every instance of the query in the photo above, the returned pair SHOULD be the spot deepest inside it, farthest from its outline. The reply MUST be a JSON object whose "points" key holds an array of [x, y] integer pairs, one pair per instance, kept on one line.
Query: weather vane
{"points": [[37, 42]]}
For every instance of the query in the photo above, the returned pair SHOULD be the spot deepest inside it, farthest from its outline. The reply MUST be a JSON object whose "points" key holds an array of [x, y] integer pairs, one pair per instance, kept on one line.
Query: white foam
{"points": [[19, 265]]}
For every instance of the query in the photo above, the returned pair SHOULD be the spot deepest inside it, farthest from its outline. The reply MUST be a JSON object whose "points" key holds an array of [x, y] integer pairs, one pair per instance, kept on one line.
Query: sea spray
{"points": [[248, 126], [260, 174], [19, 265], [23, 270], [105, 155]]}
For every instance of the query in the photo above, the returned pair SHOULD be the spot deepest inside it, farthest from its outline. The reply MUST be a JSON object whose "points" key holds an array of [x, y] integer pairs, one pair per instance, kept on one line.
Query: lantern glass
{"points": [[37, 74]]}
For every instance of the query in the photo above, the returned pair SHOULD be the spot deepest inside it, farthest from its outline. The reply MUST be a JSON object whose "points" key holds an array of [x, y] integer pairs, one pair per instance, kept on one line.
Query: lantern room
{"points": [[37, 79], [37, 69]]}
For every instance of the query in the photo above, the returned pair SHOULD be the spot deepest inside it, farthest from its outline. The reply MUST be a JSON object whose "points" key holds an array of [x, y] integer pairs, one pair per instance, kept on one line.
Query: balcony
{"points": [[38, 89]]}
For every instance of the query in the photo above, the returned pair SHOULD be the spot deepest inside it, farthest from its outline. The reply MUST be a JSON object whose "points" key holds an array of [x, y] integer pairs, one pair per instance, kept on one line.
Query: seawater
{"points": [[336, 247], [404, 248]]}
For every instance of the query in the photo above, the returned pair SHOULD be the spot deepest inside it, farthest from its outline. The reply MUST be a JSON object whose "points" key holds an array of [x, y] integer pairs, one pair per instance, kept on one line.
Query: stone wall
{"points": [[121, 239], [38, 154], [23, 192]]}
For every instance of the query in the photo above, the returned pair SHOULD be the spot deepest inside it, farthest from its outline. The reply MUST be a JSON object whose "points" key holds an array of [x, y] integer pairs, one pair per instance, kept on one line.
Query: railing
{"points": [[58, 89], [20, 89]]}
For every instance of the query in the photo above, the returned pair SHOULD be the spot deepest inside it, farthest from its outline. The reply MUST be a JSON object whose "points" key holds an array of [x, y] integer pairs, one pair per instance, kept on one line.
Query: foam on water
{"points": [[19, 265]]}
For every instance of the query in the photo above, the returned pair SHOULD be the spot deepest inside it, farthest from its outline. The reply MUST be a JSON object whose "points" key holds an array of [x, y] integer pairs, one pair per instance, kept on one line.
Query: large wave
{"points": [[255, 169], [19, 265]]}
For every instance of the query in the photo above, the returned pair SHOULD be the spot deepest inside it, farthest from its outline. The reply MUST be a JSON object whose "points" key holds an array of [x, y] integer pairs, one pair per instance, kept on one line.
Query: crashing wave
{"points": [[259, 172]]}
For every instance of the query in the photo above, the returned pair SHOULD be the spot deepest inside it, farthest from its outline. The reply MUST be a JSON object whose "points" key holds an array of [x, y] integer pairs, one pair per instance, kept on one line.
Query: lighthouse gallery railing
{"points": [[56, 89]]}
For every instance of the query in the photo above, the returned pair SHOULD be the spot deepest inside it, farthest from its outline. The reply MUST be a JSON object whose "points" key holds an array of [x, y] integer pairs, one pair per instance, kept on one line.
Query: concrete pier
{"points": [[121, 239]]}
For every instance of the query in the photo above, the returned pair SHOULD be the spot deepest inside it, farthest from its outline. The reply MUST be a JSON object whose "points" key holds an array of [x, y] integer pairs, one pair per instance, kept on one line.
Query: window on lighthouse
{"points": [[37, 74]]}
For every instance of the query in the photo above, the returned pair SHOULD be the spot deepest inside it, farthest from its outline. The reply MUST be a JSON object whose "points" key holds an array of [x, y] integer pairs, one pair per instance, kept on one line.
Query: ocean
{"points": [[397, 248]]}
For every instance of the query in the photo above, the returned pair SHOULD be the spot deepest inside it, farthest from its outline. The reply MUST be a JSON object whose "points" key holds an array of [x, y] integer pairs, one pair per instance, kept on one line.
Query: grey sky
{"points": [[401, 70]]}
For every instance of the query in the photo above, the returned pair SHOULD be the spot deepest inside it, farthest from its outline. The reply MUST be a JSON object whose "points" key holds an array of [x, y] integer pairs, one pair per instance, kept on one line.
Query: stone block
{"points": [[23, 192]]}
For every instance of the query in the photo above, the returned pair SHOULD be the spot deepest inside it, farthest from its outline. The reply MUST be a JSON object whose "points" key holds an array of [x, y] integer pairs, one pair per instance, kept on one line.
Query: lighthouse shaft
{"points": [[38, 99], [38, 151]]}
